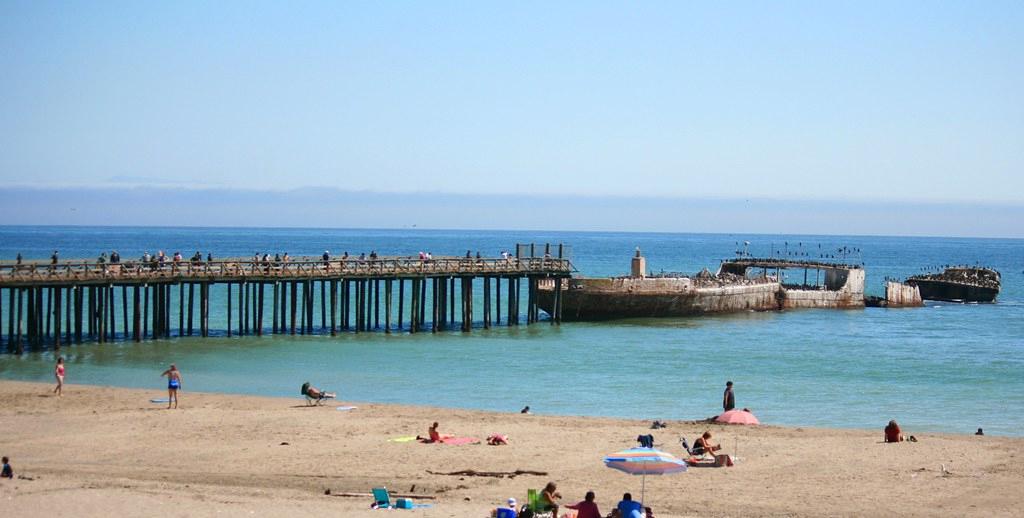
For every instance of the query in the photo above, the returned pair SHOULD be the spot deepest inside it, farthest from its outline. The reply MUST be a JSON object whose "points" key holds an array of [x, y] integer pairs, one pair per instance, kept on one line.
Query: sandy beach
{"points": [[102, 451]]}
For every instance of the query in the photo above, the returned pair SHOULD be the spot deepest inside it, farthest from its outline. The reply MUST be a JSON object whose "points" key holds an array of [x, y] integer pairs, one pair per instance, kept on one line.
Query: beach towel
{"points": [[458, 441], [407, 438]]}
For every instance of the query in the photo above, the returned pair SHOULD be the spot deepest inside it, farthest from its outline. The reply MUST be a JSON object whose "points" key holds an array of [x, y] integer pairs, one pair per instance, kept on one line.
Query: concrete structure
{"points": [[638, 267], [737, 286], [899, 295]]}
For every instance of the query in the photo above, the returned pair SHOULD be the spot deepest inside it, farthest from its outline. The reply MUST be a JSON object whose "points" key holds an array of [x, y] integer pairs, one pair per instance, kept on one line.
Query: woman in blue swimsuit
{"points": [[173, 385]]}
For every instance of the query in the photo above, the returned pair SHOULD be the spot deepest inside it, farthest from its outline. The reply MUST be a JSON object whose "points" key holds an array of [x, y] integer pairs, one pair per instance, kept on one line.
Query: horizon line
{"points": [[525, 230]]}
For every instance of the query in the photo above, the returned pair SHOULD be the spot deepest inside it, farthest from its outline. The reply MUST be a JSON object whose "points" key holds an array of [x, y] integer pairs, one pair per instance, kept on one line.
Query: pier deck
{"points": [[79, 272]]}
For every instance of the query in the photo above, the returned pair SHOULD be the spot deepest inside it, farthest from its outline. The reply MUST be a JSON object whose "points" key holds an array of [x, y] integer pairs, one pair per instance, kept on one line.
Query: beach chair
{"points": [[534, 504], [317, 399], [382, 500]]}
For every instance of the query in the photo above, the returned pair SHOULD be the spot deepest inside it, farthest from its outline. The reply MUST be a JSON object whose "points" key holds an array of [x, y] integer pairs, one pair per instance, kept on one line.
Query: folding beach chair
{"points": [[382, 500], [318, 399], [534, 504]]}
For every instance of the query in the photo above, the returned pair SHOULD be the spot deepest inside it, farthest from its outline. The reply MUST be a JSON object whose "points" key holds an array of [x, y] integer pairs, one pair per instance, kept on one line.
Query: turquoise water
{"points": [[946, 367]]}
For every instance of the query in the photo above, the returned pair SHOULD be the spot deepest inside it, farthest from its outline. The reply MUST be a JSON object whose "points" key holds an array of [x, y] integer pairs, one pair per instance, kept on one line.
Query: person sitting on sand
{"points": [[587, 508], [433, 435], [627, 506], [549, 499], [8, 471], [893, 432], [703, 445]]}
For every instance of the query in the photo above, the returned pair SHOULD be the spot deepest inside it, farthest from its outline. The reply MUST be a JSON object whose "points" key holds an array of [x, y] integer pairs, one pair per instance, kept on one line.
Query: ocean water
{"points": [[946, 367]]}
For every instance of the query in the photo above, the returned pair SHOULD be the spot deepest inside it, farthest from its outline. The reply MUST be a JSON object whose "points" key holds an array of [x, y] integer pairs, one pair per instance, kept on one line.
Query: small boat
{"points": [[959, 284]]}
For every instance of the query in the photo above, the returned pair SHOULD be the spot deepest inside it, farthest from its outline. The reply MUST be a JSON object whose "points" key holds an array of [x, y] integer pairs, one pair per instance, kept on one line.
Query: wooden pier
{"points": [[75, 301]]}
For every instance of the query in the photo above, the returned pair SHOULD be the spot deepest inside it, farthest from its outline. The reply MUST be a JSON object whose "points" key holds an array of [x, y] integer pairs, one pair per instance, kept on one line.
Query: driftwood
{"points": [[495, 474], [393, 495]]}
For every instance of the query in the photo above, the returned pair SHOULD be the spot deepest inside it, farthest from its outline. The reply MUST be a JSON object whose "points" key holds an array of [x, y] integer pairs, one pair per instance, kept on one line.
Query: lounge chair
{"points": [[382, 500], [315, 399]]}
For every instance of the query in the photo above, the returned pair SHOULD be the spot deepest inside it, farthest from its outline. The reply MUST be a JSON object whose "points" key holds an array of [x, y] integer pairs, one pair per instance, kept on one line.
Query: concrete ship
{"points": [[746, 284], [959, 284]]}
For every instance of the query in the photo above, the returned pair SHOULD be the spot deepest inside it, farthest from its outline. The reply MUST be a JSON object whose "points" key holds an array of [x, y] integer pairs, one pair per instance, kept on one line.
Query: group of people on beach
{"points": [[550, 501]]}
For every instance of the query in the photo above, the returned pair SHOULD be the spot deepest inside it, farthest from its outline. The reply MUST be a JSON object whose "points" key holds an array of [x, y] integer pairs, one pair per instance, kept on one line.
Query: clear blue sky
{"points": [[852, 101]]}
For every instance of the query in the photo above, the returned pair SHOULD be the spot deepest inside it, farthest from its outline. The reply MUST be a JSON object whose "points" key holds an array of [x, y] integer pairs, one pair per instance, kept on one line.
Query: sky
{"points": [[866, 104]]}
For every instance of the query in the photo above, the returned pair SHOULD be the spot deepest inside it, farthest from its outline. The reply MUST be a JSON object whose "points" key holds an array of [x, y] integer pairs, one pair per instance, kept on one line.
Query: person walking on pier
{"points": [[58, 372], [728, 397], [327, 260], [173, 385]]}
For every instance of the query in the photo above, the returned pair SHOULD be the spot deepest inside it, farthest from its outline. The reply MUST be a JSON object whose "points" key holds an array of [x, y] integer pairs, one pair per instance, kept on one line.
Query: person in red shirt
{"points": [[893, 432], [587, 508]]}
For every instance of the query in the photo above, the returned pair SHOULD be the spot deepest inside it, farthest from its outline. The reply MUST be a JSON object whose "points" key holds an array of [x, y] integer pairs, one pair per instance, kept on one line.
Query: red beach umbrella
{"points": [[737, 417]]}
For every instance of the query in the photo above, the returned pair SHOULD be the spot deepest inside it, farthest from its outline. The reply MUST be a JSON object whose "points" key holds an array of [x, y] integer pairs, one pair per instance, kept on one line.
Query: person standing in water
{"points": [[58, 372], [173, 385], [728, 398]]}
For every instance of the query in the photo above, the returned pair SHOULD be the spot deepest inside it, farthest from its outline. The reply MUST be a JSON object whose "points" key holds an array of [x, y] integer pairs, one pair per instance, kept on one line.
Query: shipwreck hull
{"points": [[608, 299], [954, 292]]}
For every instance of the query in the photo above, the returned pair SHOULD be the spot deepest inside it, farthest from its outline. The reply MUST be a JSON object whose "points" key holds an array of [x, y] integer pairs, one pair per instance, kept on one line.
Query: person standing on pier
{"points": [[173, 385], [327, 260], [728, 398], [58, 372]]}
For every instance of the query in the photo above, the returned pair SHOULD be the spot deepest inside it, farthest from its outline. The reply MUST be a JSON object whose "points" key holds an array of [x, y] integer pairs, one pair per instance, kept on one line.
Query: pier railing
{"points": [[230, 270]]}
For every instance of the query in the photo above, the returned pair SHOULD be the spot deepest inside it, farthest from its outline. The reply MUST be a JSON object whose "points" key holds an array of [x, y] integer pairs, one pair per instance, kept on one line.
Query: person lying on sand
{"points": [[316, 393], [497, 439]]}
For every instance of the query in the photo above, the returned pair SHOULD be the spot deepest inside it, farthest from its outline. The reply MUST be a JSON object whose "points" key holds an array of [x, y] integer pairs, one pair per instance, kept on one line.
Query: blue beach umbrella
{"points": [[644, 461]]}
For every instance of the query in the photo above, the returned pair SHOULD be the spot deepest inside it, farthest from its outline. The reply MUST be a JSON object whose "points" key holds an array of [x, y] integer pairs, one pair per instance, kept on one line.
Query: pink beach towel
{"points": [[456, 441]]}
